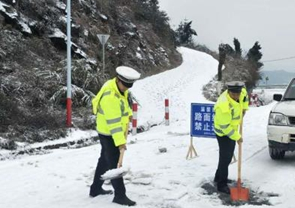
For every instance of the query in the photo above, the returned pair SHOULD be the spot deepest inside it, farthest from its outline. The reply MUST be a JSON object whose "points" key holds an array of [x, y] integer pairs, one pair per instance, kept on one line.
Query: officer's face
{"points": [[121, 86], [234, 95]]}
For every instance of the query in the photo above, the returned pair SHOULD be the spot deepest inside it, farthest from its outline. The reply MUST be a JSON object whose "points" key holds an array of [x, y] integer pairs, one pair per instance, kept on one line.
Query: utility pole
{"points": [[69, 67]]}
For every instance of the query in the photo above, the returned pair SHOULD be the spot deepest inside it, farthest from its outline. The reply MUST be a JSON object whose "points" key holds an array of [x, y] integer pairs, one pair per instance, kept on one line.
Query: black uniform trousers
{"points": [[109, 157], [226, 151]]}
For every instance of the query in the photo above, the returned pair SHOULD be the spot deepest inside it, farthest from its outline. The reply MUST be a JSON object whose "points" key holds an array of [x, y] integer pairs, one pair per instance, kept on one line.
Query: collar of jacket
{"points": [[113, 85], [231, 101]]}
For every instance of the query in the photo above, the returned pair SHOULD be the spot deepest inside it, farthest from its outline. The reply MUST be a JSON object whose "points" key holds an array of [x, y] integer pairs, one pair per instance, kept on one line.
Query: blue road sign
{"points": [[202, 117]]}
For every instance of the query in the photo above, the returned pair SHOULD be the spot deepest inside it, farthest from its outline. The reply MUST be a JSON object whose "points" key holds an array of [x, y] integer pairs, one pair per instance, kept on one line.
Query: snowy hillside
{"points": [[61, 178]]}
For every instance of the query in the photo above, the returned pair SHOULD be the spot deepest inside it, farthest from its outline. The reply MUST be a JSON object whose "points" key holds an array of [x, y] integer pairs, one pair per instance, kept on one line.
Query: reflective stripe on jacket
{"points": [[228, 115], [245, 99], [113, 112]]}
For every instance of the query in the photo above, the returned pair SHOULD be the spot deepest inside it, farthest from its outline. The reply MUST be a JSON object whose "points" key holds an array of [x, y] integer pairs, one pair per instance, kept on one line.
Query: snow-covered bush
{"points": [[7, 144]]}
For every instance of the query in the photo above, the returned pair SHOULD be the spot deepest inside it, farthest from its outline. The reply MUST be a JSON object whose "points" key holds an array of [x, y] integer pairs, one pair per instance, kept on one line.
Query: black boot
{"points": [[224, 189], [124, 201], [100, 192]]}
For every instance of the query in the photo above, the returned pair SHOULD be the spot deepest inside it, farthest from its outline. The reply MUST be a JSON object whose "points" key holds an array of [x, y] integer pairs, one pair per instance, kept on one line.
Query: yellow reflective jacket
{"points": [[112, 112], [228, 114]]}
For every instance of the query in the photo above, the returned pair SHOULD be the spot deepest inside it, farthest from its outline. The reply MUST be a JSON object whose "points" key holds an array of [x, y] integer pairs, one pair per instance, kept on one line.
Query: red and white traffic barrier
{"points": [[134, 118], [253, 101], [166, 112]]}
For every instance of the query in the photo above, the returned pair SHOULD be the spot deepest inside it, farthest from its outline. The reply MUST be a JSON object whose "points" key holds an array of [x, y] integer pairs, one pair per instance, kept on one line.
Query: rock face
{"points": [[33, 58]]}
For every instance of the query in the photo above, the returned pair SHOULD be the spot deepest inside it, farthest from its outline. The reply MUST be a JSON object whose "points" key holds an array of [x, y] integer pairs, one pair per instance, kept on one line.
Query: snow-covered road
{"points": [[61, 179]]}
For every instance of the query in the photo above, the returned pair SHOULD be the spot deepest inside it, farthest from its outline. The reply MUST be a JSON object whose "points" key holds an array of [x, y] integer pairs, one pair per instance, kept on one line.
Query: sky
{"points": [[61, 178], [271, 22]]}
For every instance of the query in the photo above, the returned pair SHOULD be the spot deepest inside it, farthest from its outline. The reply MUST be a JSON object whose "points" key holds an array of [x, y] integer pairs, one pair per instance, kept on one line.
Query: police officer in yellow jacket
{"points": [[229, 110], [113, 113]]}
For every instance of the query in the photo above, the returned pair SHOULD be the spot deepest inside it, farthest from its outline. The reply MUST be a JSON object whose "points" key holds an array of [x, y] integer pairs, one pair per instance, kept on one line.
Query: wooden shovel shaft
{"points": [[239, 193], [239, 164], [122, 150], [240, 155], [120, 161]]}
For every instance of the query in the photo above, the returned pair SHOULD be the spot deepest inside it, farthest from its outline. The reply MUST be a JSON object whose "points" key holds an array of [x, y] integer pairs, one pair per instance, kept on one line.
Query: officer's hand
{"points": [[240, 141], [122, 147]]}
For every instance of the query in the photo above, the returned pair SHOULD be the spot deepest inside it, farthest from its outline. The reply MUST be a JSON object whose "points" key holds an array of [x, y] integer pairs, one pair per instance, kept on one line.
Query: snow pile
{"points": [[115, 173]]}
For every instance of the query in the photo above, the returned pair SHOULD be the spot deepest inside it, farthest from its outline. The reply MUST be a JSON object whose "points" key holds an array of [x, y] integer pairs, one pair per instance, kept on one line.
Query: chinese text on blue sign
{"points": [[202, 120]]}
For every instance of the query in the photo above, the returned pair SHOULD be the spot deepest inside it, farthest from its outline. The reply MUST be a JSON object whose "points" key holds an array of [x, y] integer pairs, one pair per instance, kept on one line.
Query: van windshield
{"points": [[290, 92]]}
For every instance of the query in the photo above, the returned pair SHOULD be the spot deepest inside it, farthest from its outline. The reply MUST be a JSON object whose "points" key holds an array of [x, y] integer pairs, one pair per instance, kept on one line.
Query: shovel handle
{"points": [[240, 155], [239, 164], [120, 161], [122, 150]]}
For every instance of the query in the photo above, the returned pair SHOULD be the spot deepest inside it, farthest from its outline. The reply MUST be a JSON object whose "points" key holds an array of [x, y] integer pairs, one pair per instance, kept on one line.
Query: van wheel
{"points": [[276, 154]]}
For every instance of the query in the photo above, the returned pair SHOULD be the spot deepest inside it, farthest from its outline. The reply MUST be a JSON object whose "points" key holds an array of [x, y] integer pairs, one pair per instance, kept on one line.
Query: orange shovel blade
{"points": [[239, 194]]}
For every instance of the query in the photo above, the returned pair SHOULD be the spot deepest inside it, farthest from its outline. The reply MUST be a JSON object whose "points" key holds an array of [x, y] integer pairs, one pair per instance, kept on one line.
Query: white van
{"points": [[281, 124]]}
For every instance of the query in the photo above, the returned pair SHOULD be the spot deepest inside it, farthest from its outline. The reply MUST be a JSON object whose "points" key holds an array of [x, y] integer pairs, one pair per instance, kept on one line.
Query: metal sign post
{"points": [[103, 38], [69, 66]]}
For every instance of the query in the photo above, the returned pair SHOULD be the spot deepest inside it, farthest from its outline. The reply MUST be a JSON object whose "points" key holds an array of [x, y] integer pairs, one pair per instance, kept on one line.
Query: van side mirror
{"points": [[277, 97]]}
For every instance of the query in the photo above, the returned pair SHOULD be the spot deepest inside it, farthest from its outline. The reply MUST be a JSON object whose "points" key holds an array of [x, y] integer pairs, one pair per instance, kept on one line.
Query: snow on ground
{"points": [[182, 86], [62, 178]]}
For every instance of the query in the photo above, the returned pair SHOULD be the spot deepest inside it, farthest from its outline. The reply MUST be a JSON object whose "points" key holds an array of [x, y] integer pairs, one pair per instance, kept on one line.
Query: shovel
{"points": [[239, 193], [117, 172]]}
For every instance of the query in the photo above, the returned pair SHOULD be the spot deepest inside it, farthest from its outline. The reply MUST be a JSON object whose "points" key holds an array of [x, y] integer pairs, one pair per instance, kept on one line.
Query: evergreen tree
{"points": [[240, 68], [222, 56], [155, 4], [266, 80], [228, 49], [184, 33], [254, 55], [238, 49], [148, 10]]}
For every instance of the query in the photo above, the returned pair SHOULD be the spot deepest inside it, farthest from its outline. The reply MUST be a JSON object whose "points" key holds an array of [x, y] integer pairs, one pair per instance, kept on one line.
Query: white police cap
{"points": [[127, 74], [235, 86]]}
